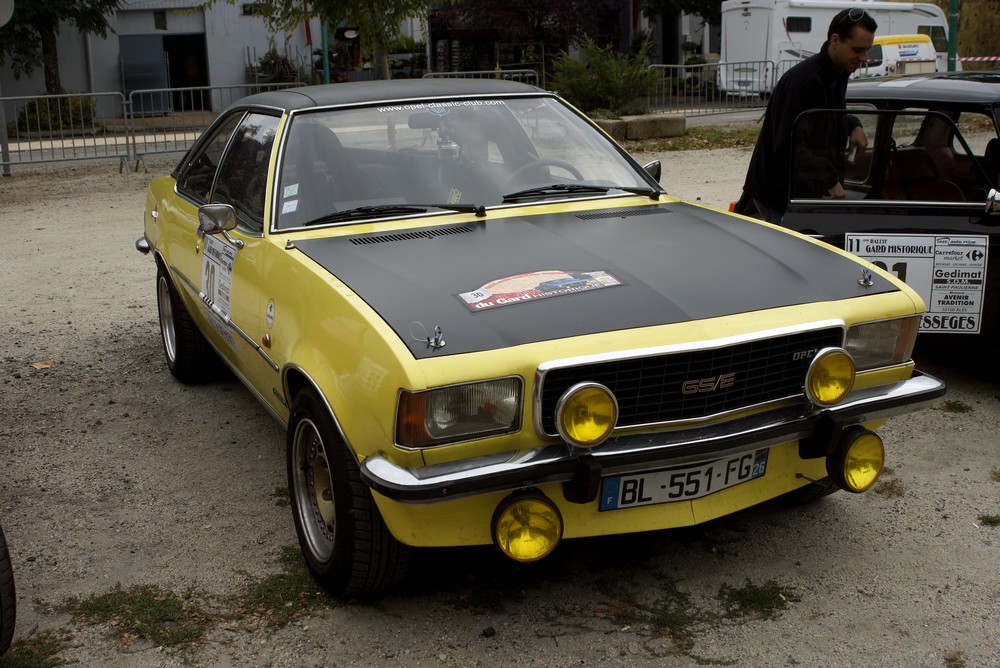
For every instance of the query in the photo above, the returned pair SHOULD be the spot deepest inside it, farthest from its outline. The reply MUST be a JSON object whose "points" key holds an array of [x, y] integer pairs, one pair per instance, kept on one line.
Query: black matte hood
{"points": [[503, 282]]}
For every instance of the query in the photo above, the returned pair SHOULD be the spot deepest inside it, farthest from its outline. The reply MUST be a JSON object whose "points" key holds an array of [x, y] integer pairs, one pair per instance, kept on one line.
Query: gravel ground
{"points": [[116, 477]]}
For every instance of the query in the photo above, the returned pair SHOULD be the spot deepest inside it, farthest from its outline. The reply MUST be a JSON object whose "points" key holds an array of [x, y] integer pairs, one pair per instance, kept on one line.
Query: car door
{"points": [[915, 205], [220, 272]]}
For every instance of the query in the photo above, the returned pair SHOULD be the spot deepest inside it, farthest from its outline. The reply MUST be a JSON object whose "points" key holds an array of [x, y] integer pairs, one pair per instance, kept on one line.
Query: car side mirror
{"points": [[654, 169], [993, 202], [218, 219]]}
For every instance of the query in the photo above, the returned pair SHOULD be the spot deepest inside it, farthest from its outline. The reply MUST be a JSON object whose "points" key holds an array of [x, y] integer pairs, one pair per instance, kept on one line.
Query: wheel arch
{"points": [[298, 380]]}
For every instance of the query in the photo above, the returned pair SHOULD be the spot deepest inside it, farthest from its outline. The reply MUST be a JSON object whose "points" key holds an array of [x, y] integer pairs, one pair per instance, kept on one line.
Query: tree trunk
{"points": [[50, 59], [379, 45]]}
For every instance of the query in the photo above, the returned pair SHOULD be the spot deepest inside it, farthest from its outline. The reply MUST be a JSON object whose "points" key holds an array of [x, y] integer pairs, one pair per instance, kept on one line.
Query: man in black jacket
{"points": [[819, 82]]}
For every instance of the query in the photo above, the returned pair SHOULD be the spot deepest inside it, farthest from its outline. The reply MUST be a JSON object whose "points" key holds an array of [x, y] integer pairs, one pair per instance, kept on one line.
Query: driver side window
{"points": [[199, 173], [242, 176]]}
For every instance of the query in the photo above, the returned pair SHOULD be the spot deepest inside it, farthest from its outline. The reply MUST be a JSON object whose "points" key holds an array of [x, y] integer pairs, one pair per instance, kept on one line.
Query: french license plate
{"points": [[681, 483]]}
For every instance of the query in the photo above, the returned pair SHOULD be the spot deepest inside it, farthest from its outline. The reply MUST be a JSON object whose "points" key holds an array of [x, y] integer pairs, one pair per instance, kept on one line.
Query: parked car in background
{"points": [[481, 321], [922, 199], [897, 55]]}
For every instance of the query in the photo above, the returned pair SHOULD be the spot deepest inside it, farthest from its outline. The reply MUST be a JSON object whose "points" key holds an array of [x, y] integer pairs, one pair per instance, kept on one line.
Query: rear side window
{"points": [[798, 24], [937, 36]]}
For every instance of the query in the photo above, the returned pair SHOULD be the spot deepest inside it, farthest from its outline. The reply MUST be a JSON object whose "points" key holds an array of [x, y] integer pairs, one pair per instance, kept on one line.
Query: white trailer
{"points": [[762, 39]]}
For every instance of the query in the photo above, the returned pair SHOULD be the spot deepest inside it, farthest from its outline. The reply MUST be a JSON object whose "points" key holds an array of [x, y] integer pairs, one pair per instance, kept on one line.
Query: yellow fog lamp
{"points": [[857, 462], [830, 377], [586, 414], [527, 526]]}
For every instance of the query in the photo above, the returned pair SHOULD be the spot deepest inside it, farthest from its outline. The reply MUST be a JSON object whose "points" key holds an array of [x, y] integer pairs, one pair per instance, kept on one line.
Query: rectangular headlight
{"points": [[458, 412], [882, 343]]}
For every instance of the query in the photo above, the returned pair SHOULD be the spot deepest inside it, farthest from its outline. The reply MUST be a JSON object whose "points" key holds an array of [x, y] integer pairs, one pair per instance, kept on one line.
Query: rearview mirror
{"points": [[423, 120]]}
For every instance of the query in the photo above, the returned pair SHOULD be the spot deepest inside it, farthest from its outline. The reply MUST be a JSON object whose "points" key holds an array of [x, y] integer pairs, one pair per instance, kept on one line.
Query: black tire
{"points": [[346, 545], [810, 493], [8, 597], [189, 357]]}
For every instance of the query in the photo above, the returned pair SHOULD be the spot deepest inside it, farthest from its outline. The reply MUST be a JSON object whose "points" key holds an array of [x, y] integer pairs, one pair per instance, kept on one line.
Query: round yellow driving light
{"points": [[586, 414], [857, 462], [830, 377], [527, 526]]}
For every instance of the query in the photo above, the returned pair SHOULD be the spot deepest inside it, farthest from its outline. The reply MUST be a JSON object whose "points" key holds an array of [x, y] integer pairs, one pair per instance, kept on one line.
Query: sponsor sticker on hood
{"points": [[535, 285]]}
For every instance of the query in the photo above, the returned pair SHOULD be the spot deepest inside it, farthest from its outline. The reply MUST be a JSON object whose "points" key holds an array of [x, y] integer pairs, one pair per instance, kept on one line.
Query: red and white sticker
{"points": [[532, 286]]}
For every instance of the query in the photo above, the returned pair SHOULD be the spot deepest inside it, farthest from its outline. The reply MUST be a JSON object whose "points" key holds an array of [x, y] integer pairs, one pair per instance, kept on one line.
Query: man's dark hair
{"points": [[845, 20]]}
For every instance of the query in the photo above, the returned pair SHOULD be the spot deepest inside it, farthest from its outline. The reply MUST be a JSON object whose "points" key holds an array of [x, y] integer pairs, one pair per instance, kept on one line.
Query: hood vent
{"points": [[410, 236], [624, 213]]}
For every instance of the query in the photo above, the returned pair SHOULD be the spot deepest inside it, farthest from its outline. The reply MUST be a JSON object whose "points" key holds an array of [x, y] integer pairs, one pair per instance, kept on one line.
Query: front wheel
{"points": [[344, 540], [8, 611]]}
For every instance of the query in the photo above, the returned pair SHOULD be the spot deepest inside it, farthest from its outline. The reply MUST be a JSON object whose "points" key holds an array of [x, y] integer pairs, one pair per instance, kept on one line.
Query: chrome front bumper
{"points": [[816, 430]]}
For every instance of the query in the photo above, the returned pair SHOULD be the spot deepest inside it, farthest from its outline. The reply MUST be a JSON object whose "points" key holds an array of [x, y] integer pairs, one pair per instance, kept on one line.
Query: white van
{"points": [[899, 54], [763, 39]]}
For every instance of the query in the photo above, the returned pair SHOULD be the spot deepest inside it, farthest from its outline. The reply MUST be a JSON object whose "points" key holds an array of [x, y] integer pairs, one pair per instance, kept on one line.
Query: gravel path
{"points": [[114, 474]]}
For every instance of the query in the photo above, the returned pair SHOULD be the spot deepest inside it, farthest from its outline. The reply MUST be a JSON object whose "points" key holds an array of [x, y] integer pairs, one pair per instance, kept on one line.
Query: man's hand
{"points": [[836, 192], [857, 139]]}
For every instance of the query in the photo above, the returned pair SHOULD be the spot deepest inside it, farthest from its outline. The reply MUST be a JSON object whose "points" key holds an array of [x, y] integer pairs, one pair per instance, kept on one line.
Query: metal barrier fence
{"points": [[85, 126], [715, 88], [168, 120], [52, 128], [524, 76]]}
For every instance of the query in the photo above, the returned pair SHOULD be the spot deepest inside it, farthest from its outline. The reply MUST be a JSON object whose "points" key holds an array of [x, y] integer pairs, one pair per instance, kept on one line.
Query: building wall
{"points": [[89, 63]]}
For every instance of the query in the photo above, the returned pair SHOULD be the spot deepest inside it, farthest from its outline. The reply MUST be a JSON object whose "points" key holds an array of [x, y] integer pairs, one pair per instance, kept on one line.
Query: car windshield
{"points": [[472, 151]]}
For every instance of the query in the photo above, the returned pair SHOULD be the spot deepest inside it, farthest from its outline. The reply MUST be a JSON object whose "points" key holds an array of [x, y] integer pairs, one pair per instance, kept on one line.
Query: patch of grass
{"points": [[280, 496], [670, 615], [955, 406], [995, 474], [954, 659], [700, 137], [889, 489], [37, 649], [279, 598], [990, 520], [763, 601], [142, 612]]}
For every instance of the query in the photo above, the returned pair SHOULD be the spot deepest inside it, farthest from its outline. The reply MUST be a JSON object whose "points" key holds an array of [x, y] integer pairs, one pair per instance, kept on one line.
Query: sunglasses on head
{"points": [[856, 13]]}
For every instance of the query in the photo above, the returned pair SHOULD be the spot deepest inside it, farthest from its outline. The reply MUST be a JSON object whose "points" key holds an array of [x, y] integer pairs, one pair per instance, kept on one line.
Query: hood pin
{"points": [[436, 341], [866, 278]]}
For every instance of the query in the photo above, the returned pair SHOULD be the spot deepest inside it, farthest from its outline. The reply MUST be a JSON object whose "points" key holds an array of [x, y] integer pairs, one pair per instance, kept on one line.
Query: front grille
{"points": [[649, 389]]}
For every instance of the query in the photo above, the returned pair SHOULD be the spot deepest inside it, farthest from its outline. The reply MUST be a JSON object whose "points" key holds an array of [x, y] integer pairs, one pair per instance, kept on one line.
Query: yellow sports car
{"points": [[483, 322]]}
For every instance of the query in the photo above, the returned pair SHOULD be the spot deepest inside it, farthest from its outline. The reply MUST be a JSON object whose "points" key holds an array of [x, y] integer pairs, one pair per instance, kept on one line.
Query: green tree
{"points": [[30, 40], [602, 79], [709, 10], [377, 21], [554, 22]]}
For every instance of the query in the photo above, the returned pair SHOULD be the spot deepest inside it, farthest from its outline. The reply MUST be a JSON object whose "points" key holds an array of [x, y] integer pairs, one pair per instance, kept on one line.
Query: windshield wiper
{"points": [[393, 209], [559, 189]]}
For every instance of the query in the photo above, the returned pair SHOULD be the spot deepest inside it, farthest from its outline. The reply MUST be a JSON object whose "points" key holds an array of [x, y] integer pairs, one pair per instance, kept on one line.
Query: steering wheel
{"points": [[546, 162]]}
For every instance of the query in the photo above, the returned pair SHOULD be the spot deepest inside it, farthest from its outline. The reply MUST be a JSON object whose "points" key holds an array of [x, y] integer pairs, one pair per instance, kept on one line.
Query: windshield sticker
{"points": [[533, 286], [949, 273], [289, 206], [291, 191], [439, 107]]}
